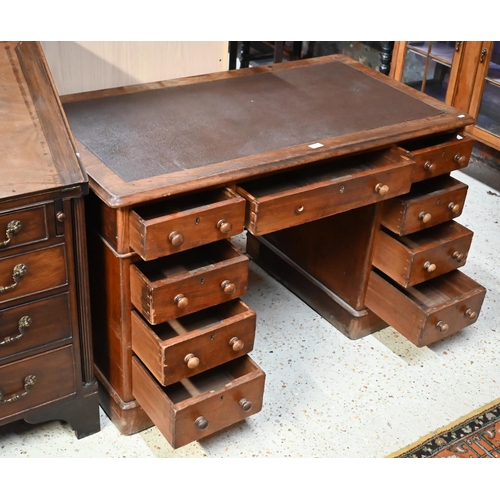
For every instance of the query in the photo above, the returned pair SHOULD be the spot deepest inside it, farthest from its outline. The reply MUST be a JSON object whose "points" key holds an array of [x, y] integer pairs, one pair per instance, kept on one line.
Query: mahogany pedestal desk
{"points": [[46, 364], [319, 160]]}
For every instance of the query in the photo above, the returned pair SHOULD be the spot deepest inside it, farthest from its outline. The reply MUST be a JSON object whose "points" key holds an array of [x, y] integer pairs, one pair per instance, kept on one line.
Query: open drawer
{"points": [[184, 347], [427, 204], [438, 155], [197, 407], [187, 282], [327, 188], [420, 256], [427, 312], [178, 224]]}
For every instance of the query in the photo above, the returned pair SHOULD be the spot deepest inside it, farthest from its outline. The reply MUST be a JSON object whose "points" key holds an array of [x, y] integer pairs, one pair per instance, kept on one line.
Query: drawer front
{"points": [[428, 312], [438, 159], [427, 205], [23, 227], [192, 344], [420, 256], [36, 380], [302, 196], [189, 222], [204, 404], [185, 283], [28, 273], [32, 325]]}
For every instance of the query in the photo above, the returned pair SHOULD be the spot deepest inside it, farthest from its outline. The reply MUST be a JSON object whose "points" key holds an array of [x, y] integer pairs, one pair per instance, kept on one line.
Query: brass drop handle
{"points": [[382, 189], [17, 273], [191, 361], [24, 323], [224, 226], [442, 327], [245, 404], [181, 301], [13, 227], [228, 287], [425, 217], [460, 159], [176, 238], [236, 344], [459, 257], [29, 381], [470, 314], [429, 267], [430, 167], [201, 422], [454, 207]]}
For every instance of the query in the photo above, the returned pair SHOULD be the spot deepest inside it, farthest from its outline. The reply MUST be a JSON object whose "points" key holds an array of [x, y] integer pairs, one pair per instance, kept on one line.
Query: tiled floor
{"points": [[328, 396]]}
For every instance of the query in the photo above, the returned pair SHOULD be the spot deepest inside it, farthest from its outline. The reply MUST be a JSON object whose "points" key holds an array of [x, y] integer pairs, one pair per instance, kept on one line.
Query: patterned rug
{"points": [[475, 436]]}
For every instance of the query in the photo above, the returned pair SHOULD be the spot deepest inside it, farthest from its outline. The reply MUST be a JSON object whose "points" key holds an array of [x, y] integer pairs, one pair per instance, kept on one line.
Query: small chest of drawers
{"points": [[46, 370]]}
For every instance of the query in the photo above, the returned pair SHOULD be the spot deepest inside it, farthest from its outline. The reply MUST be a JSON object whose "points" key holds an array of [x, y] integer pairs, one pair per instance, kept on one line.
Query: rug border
{"points": [[443, 429]]}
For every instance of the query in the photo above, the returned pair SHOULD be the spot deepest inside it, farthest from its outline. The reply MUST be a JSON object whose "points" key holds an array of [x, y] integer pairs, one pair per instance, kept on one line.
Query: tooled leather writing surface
{"points": [[157, 132]]}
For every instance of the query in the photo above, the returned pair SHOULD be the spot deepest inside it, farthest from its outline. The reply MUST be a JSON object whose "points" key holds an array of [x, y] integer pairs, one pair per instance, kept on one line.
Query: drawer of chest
{"points": [[36, 380], [184, 347], [438, 155], [320, 190], [182, 223], [420, 256], [22, 227], [427, 204], [187, 282], [24, 274], [33, 325], [197, 407], [427, 312]]}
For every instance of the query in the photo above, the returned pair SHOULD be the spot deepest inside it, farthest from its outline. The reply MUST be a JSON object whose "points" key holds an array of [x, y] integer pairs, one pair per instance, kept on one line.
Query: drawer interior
{"points": [[190, 260], [429, 142], [432, 186]]}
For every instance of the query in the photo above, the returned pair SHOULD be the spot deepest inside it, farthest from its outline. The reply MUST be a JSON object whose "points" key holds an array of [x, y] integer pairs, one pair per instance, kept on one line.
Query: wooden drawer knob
{"points": [[460, 159], [228, 287], [471, 314], [382, 189], [454, 207], [429, 166], [425, 217], [181, 301], [442, 327], [201, 423], [224, 226], [459, 257], [429, 267], [245, 404], [191, 361], [177, 239], [236, 344]]}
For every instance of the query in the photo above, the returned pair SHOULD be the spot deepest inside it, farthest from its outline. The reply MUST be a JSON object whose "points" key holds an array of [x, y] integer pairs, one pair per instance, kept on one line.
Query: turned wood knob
{"points": [[425, 217], [236, 344], [429, 267], [460, 159], [191, 361], [429, 166], [382, 189], [442, 327], [181, 301], [201, 423], [224, 226], [471, 314], [176, 238], [459, 257], [245, 404], [228, 287], [61, 216], [454, 207]]}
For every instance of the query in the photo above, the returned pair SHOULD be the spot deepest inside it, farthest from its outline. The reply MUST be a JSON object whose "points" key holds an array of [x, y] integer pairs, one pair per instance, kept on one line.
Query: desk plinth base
{"points": [[352, 323]]}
